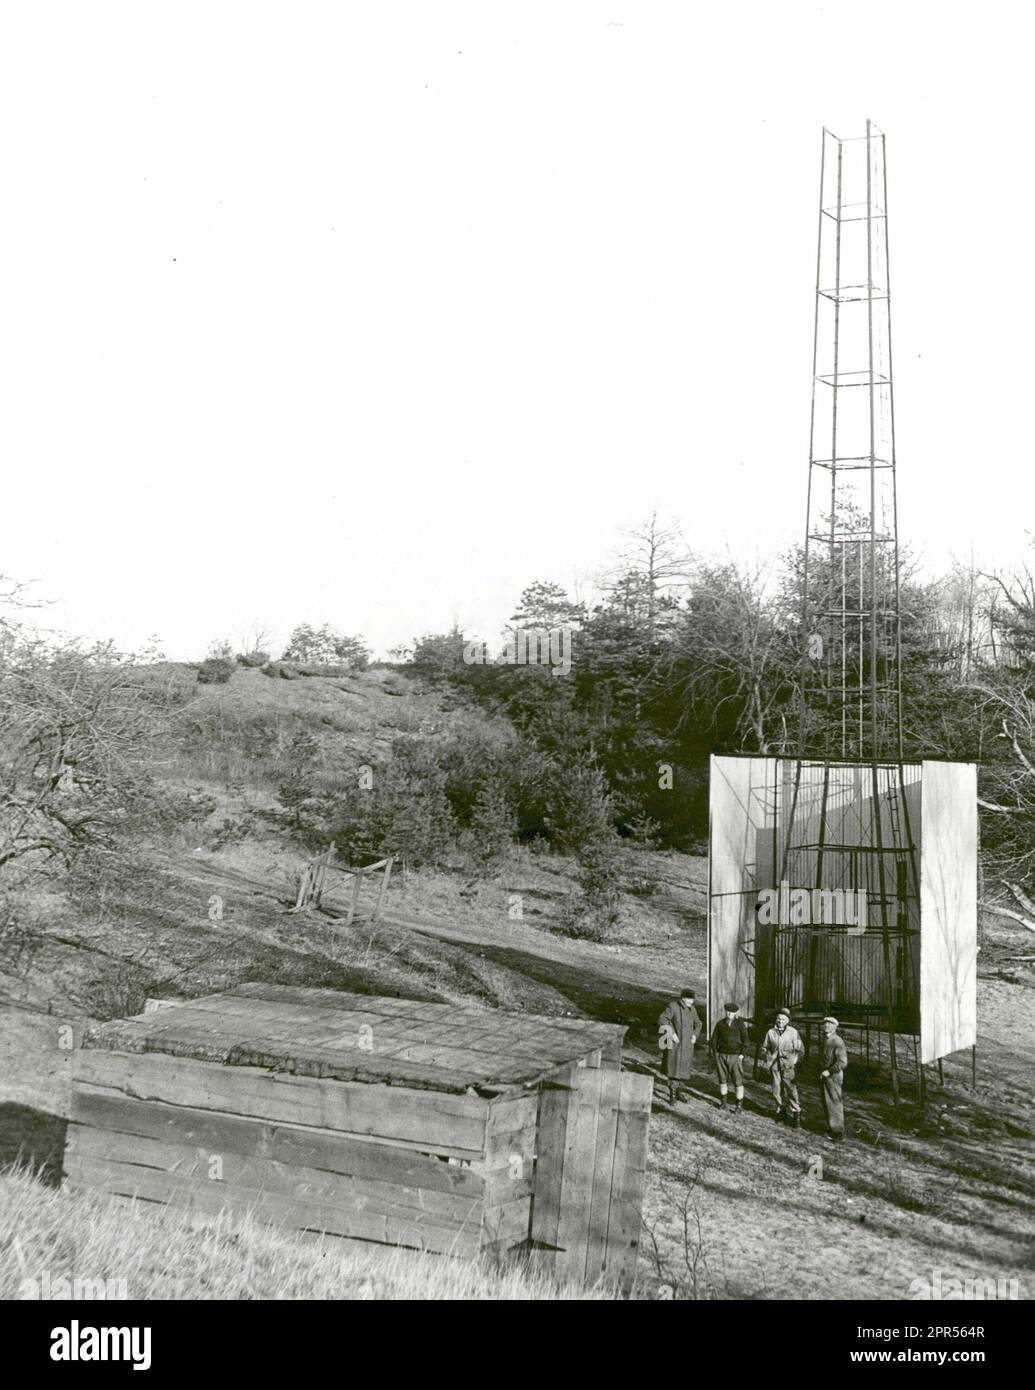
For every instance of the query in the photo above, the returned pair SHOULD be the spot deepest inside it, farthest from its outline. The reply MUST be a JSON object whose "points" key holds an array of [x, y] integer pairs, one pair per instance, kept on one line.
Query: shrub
{"points": [[415, 819], [579, 807], [325, 645], [253, 658], [590, 833], [175, 808], [645, 831], [406, 812], [168, 685], [298, 785], [583, 924], [439, 654], [215, 670], [476, 759], [600, 878], [232, 830], [493, 823], [77, 733]]}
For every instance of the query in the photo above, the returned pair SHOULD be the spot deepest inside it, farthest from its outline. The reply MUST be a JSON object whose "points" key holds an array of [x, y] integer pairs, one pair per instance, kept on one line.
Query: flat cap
{"points": [[834, 1021], [732, 1008]]}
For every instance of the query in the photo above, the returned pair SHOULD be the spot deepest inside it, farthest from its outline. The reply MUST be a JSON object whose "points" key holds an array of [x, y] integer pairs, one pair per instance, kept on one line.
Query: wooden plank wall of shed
{"points": [[433, 1120], [510, 1166], [509, 1171], [592, 1156], [347, 1158]]}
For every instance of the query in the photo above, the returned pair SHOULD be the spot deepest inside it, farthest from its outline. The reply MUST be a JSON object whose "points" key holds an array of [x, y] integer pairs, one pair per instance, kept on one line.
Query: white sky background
{"points": [[374, 313]]}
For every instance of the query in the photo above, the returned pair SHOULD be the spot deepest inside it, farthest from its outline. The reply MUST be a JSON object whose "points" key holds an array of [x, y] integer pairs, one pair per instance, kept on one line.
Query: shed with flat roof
{"points": [[439, 1127]]}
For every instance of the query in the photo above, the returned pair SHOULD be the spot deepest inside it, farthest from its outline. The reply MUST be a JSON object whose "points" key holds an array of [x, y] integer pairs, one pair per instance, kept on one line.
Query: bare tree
{"points": [[965, 602], [1006, 700], [732, 651], [653, 563], [75, 724], [257, 638]]}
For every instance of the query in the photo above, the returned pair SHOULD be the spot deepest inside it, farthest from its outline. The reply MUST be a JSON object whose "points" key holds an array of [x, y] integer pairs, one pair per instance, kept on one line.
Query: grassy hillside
{"points": [[203, 906], [735, 1206], [159, 1253]]}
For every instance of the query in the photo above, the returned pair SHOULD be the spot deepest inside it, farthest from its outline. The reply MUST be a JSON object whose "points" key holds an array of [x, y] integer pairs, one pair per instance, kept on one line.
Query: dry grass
{"points": [[47, 1234]]}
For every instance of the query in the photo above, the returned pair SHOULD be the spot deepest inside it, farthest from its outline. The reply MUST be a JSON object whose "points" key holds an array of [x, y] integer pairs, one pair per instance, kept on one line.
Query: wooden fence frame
{"points": [[311, 886]]}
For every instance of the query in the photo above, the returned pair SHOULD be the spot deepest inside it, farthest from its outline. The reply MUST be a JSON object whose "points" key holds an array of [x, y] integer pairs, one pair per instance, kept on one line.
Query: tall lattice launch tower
{"points": [[847, 817], [842, 878], [851, 690]]}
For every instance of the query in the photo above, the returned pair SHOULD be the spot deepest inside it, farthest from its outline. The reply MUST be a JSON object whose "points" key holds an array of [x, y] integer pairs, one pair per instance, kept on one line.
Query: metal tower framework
{"points": [[851, 674], [847, 818]]}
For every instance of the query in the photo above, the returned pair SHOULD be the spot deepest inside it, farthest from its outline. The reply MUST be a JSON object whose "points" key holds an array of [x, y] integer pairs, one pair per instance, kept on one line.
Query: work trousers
{"points": [[833, 1106], [785, 1090]]}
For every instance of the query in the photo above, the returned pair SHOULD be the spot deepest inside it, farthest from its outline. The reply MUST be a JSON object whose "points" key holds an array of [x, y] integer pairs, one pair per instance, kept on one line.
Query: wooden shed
{"points": [[437, 1127]]}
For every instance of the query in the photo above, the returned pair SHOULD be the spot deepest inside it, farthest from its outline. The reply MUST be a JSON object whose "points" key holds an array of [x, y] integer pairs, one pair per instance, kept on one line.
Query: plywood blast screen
{"points": [[846, 888]]}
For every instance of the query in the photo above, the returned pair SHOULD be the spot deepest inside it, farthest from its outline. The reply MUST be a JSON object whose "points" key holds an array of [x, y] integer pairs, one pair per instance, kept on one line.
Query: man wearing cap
{"points": [[835, 1059], [783, 1049], [678, 1030], [730, 1040]]}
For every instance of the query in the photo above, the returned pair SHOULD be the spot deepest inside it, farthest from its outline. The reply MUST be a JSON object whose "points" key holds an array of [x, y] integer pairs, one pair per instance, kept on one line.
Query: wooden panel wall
{"points": [[431, 1120], [591, 1159], [741, 817], [371, 1163], [948, 909], [508, 1169], [303, 1179]]}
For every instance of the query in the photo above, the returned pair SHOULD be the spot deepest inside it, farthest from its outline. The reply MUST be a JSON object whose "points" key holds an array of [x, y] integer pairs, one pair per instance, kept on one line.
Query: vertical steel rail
{"points": [[835, 393], [803, 700], [893, 458], [875, 751]]}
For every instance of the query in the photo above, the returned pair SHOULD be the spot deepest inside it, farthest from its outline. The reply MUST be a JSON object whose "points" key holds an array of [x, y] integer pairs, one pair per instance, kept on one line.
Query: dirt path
{"points": [[613, 984]]}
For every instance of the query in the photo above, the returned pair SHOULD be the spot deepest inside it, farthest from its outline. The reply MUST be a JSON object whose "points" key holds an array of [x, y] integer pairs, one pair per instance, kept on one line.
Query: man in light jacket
{"points": [[783, 1050]]}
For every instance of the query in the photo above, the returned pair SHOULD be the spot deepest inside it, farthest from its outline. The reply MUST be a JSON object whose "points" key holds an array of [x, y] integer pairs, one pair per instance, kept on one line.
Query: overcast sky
{"points": [[373, 313]]}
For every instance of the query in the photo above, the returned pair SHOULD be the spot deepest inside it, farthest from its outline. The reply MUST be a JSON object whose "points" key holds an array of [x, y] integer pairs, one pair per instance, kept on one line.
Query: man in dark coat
{"points": [[679, 1027], [730, 1040], [835, 1059]]}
